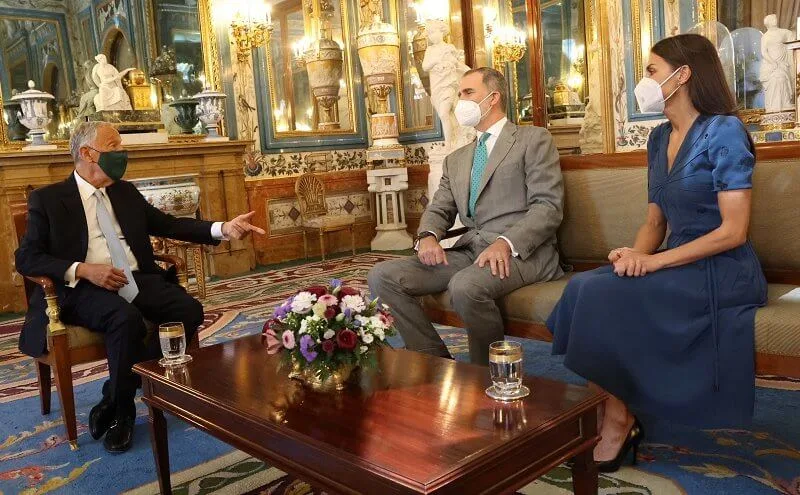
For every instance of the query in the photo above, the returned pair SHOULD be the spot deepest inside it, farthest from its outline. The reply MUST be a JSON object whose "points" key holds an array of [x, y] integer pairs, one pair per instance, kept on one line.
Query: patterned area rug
{"points": [[35, 459]]}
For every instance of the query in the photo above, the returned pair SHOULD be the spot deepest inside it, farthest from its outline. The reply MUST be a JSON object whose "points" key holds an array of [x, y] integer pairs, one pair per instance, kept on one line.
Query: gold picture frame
{"points": [[347, 76], [211, 61]]}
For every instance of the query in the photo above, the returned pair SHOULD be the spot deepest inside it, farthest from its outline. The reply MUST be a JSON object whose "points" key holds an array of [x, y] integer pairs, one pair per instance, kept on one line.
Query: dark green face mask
{"points": [[113, 163]]}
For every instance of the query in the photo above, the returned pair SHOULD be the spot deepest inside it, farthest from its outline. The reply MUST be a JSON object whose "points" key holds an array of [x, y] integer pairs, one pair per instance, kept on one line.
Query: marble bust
{"points": [[777, 74], [445, 66], [110, 93]]}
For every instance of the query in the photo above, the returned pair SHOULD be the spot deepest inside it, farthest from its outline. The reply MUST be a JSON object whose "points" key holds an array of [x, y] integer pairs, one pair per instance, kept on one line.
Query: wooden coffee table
{"points": [[421, 425]]}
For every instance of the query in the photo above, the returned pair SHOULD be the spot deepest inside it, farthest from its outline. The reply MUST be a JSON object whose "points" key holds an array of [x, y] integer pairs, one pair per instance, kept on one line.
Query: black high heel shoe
{"points": [[632, 441]]}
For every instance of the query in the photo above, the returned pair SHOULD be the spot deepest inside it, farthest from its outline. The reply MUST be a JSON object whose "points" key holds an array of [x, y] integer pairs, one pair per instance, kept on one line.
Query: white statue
{"points": [[89, 91], [777, 73], [445, 65], [111, 95]]}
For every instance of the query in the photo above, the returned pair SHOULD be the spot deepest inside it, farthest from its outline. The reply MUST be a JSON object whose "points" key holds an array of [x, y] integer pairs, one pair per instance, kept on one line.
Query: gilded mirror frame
{"points": [[347, 66], [211, 61], [643, 25], [70, 76], [208, 40], [423, 133], [264, 74]]}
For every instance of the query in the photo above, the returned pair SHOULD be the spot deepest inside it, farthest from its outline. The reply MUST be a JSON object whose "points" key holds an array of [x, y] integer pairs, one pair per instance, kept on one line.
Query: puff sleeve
{"points": [[731, 155]]}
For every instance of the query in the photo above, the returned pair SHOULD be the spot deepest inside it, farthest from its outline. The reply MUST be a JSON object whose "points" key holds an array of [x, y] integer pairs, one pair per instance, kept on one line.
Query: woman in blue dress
{"points": [[671, 333]]}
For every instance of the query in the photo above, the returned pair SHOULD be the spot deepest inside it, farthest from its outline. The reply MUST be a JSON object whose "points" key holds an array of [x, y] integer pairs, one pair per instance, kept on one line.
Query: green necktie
{"points": [[479, 161]]}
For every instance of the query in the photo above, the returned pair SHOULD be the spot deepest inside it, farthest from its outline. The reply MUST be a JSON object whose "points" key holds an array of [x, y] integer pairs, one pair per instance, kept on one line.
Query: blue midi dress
{"points": [[677, 343]]}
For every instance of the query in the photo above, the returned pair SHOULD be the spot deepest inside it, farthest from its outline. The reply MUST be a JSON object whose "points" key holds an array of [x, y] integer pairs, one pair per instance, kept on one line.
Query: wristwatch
{"points": [[421, 236]]}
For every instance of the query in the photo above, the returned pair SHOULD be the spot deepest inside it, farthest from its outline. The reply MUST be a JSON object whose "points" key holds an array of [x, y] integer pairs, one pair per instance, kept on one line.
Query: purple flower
{"points": [[336, 283], [281, 311], [306, 346], [348, 313]]}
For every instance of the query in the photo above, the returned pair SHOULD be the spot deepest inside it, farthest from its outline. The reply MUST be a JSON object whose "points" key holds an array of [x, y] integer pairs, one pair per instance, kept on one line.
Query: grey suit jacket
{"points": [[520, 197]]}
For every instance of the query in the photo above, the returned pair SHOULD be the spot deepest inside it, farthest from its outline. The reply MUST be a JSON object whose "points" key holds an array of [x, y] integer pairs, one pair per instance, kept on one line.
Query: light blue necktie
{"points": [[479, 161], [118, 257]]}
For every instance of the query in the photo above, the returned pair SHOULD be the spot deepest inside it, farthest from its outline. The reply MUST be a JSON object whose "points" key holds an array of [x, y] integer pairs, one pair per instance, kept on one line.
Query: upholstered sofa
{"points": [[606, 202]]}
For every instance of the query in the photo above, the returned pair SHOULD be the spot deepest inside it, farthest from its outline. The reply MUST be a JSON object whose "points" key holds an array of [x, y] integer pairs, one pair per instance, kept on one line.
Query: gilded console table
{"points": [[219, 170]]}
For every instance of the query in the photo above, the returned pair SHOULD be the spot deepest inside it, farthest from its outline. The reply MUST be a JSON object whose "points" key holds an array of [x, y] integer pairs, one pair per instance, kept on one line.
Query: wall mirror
{"points": [[309, 70], [176, 28], [736, 27], [34, 45], [55, 47], [564, 60], [415, 110]]}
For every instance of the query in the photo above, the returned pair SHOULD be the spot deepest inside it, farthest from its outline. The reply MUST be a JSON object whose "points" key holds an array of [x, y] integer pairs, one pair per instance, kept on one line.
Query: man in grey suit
{"points": [[507, 188]]}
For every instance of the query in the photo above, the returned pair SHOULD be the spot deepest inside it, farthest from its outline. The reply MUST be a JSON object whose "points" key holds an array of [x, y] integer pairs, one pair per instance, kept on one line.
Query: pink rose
{"points": [[288, 339], [328, 300], [273, 344], [386, 319]]}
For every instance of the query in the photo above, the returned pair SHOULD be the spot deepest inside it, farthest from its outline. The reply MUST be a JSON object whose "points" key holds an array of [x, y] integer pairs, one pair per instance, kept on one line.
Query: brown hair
{"points": [[708, 88], [494, 80]]}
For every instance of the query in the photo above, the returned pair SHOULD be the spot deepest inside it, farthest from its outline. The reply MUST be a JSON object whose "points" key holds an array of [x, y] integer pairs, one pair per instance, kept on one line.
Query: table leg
{"points": [[584, 469], [584, 474], [158, 439]]}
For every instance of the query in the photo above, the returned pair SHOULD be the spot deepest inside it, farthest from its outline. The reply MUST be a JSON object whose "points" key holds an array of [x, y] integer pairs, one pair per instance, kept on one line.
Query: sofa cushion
{"points": [[773, 226], [604, 208], [777, 324]]}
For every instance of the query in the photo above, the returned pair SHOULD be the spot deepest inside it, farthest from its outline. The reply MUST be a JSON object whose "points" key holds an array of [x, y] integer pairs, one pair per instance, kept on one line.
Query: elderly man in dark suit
{"points": [[91, 235], [507, 189]]}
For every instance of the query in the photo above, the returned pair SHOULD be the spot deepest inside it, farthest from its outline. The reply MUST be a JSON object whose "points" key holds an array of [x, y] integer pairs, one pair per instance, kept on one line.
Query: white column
{"points": [[388, 184]]}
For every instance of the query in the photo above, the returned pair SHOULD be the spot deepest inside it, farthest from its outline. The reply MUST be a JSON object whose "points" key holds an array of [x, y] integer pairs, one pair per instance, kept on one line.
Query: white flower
{"points": [[303, 301], [379, 333], [303, 326], [328, 334], [367, 337], [363, 320], [363, 349], [318, 309], [353, 303], [376, 322]]}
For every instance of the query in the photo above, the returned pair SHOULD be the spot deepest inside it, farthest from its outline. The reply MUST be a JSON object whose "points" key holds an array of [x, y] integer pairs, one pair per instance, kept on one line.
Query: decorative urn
{"points": [[210, 110], [323, 61], [35, 116], [186, 117]]}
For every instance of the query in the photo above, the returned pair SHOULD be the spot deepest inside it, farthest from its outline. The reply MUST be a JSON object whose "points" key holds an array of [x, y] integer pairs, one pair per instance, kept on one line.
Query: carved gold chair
{"points": [[310, 193], [71, 345]]}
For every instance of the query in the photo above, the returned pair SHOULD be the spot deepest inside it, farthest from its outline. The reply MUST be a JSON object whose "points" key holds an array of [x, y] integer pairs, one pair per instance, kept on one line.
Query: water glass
{"points": [[505, 370], [172, 337]]}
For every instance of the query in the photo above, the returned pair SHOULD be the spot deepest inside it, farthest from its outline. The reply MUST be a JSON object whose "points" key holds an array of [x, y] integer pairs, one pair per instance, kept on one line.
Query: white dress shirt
{"points": [[97, 249], [494, 132]]}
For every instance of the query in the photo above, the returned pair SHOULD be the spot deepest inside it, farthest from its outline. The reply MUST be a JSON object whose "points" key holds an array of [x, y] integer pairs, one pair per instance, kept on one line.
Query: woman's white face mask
{"points": [[468, 113], [649, 95]]}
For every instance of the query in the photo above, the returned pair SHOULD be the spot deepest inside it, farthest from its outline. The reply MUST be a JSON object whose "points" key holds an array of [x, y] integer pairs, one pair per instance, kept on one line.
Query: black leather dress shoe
{"points": [[120, 435], [100, 418]]}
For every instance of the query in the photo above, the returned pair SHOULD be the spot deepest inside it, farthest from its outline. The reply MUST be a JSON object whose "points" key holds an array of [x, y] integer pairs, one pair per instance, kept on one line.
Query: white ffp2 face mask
{"points": [[649, 96], [468, 113]]}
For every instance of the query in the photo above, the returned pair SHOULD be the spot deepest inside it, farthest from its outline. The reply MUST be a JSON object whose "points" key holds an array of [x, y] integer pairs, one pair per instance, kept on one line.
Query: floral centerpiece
{"points": [[325, 332]]}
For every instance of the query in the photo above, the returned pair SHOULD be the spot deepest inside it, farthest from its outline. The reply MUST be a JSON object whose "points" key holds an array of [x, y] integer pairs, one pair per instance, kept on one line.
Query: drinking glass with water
{"points": [[172, 337], [505, 370]]}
